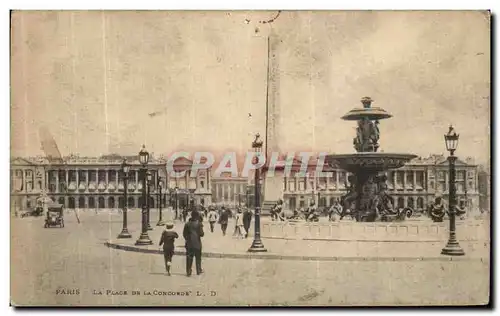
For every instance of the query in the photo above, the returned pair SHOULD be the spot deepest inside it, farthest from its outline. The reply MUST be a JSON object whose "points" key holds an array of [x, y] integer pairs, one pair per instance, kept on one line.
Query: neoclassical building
{"points": [[230, 191], [415, 185], [27, 181], [97, 182]]}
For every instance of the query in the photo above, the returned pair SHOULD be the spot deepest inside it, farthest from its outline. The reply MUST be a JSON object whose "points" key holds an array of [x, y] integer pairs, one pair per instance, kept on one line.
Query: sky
{"points": [[108, 82]]}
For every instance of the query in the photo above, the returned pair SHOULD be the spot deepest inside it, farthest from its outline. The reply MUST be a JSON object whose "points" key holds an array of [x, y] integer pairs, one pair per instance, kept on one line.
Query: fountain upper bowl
{"points": [[369, 161]]}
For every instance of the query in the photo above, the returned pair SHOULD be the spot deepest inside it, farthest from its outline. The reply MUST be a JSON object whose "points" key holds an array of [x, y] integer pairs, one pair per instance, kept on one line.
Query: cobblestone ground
{"points": [[48, 262]]}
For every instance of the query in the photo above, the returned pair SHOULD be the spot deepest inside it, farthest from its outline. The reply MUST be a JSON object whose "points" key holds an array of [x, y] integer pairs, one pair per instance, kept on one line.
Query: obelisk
{"points": [[273, 182]]}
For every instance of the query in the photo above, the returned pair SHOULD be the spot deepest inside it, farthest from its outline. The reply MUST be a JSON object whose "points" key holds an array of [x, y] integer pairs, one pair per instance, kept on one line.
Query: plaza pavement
{"points": [[46, 261], [217, 246]]}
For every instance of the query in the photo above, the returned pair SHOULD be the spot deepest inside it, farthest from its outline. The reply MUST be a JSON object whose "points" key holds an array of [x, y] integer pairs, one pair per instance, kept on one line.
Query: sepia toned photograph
{"points": [[250, 158]]}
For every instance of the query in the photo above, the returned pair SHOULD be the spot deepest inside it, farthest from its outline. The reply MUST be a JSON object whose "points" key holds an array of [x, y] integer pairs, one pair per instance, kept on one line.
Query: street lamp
{"points": [[160, 187], [144, 238], [125, 168], [452, 248], [257, 245], [149, 177], [176, 190]]}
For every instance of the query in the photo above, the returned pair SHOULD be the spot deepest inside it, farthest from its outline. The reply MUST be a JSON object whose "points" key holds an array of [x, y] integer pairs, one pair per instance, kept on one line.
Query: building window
{"points": [[401, 202], [420, 202], [291, 184], [81, 202], [91, 202], [71, 202], [202, 184], [302, 184], [409, 180], [420, 180], [411, 203], [342, 179], [111, 202], [399, 180], [101, 202], [131, 202]]}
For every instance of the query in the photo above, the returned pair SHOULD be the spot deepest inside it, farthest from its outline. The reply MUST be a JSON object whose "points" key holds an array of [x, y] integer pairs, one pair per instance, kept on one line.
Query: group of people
{"points": [[193, 232], [309, 214]]}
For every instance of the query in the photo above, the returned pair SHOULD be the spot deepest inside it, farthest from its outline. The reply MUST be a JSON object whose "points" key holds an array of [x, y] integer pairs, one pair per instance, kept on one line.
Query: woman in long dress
{"points": [[238, 231]]}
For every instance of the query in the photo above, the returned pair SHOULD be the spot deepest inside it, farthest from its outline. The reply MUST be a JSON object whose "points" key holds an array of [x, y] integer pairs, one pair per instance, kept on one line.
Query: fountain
{"points": [[367, 198]]}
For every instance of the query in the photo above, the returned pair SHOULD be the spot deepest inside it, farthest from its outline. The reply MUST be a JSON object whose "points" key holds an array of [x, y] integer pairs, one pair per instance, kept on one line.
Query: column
{"points": [[223, 187], [24, 179], [116, 178], [77, 178], [209, 182], [66, 176], [57, 181], [88, 178], [107, 178], [414, 180], [394, 178], [136, 176], [46, 182], [337, 180], [404, 181]]}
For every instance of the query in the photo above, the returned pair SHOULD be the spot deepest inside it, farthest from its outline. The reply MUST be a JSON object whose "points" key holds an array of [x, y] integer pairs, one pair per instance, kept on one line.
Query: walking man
{"points": [[247, 219], [223, 220], [167, 240], [193, 231], [212, 218]]}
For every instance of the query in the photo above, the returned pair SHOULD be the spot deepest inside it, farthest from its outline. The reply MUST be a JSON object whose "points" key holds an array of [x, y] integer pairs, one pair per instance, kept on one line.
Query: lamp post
{"points": [[125, 168], [149, 178], [176, 190], [257, 245], [144, 237], [452, 248], [160, 187]]}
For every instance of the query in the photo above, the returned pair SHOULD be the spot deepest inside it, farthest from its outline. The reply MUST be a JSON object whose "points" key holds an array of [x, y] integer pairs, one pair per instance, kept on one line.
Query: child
{"points": [[167, 240]]}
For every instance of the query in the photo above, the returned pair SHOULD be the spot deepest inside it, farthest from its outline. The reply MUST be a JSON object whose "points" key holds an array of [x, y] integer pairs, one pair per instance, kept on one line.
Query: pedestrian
{"points": [[247, 219], [184, 214], [193, 231], [167, 240], [212, 218], [223, 220], [238, 228]]}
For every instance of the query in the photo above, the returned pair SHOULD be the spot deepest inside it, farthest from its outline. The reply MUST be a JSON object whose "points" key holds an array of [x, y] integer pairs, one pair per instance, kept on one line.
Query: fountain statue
{"points": [[367, 198]]}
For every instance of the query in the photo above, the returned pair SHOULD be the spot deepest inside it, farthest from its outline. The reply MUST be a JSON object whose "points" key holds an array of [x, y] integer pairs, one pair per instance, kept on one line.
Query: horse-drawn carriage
{"points": [[55, 215]]}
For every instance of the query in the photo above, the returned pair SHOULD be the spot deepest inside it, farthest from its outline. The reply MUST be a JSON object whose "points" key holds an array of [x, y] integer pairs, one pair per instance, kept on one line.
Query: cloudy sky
{"points": [[109, 82]]}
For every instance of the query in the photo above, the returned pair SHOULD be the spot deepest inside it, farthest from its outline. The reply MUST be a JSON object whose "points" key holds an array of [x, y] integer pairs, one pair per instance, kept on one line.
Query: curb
{"points": [[292, 258]]}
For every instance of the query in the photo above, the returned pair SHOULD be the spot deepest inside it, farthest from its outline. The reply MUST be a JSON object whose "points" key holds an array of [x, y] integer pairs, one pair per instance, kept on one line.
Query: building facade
{"points": [[27, 182], [97, 183], [415, 185], [231, 191]]}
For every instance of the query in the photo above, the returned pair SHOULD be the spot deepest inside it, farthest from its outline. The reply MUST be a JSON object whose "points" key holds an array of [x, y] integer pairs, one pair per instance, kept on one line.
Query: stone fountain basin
{"points": [[369, 161]]}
